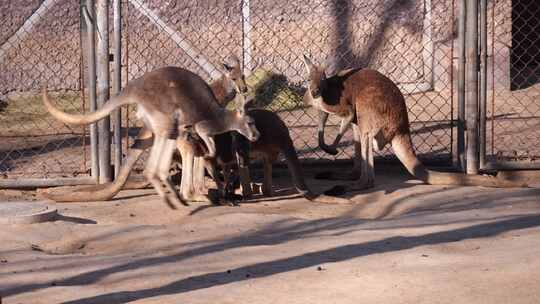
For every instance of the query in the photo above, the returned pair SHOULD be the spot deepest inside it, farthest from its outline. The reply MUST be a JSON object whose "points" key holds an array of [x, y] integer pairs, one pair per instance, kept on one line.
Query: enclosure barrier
{"points": [[461, 115]]}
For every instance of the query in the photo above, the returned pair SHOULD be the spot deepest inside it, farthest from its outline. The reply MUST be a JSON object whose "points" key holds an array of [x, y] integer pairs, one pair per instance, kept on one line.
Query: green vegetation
{"points": [[24, 114], [273, 92]]}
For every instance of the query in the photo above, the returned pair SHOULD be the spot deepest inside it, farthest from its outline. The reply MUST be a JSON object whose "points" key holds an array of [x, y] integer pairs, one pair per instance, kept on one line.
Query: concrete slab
{"points": [[26, 212]]}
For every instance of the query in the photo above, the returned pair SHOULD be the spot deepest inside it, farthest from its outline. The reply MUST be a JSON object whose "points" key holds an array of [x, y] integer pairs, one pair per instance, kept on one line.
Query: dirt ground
{"points": [[401, 242]]}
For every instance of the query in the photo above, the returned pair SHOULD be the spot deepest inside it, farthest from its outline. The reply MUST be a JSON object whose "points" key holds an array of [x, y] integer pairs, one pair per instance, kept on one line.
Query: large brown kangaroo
{"points": [[167, 99], [223, 88], [377, 109]]}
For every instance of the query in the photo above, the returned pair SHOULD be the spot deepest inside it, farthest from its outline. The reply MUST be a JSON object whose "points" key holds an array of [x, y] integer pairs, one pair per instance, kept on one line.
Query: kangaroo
{"points": [[376, 108], [274, 139], [167, 99], [224, 89]]}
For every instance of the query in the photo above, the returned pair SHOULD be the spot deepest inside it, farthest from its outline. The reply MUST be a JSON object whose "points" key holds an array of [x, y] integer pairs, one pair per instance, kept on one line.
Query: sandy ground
{"points": [[402, 242]]}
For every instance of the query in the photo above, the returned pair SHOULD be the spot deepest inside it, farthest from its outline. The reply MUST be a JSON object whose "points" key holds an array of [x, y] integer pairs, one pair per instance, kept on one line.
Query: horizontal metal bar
{"points": [[509, 165], [45, 182]]}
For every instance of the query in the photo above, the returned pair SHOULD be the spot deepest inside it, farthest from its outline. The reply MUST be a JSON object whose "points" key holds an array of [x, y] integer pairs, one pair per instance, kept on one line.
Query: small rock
{"points": [[132, 215], [425, 255], [248, 275], [53, 283], [3, 261], [320, 268], [229, 271]]}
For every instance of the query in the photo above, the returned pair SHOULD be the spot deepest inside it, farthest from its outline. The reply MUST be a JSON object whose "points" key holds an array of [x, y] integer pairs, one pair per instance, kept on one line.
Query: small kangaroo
{"points": [[376, 108], [223, 88], [168, 99], [274, 139]]}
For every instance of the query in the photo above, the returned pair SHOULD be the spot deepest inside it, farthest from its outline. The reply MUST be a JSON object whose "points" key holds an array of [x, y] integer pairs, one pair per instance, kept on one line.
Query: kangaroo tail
{"points": [[107, 191], [403, 149], [84, 119], [298, 178], [295, 168]]}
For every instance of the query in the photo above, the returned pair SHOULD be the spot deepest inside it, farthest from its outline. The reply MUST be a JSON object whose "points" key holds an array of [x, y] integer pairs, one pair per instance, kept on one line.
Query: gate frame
{"points": [[486, 164]]}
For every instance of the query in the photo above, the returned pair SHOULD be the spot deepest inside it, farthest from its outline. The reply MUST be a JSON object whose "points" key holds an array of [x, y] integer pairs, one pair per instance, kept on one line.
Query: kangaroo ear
{"points": [[330, 68], [240, 103], [227, 67], [307, 63], [231, 62]]}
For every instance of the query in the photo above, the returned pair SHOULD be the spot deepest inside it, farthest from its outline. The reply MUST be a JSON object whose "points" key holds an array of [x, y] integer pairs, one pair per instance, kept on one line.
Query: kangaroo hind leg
{"points": [[164, 166], [151, 171]]}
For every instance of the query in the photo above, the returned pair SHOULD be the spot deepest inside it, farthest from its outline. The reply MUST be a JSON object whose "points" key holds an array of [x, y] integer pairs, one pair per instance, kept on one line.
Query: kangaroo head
{"points": [[245, 125], [316, 80], [234, 80]]}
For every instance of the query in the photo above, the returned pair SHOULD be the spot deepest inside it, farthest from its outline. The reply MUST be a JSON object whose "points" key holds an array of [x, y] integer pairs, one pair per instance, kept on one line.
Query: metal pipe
{"points": [[471, 94], [102, 69], [483, 81], [45, 182], [82, 85], [451, 72], [461, 87], [246, 37], [117, 84], [89, 18]]}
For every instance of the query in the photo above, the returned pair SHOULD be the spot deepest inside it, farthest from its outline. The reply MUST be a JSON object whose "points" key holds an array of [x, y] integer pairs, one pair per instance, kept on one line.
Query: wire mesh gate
{"points": [[511, 31], [410, 41], [40, 45]]}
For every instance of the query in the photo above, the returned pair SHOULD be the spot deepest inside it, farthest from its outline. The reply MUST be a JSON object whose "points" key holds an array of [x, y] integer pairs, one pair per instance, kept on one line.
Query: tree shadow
{"points": [[344, 54], [311, 259]]}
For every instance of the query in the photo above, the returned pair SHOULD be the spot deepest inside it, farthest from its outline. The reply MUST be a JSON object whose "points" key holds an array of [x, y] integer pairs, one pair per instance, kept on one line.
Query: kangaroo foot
{"points": [[324, 198], [169, 202], [175, 199], [230, 199], [342, 189]]}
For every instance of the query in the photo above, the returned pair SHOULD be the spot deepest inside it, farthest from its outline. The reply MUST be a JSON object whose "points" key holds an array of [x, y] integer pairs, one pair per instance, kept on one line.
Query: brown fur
{"points": [[275, 140], [105, 192], [165, 98], [381, 118]]}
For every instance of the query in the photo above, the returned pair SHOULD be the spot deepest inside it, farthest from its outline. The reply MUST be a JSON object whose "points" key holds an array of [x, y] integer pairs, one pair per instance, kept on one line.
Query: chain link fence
{"points": [[410, 41], [513, 105], [40, 45]]}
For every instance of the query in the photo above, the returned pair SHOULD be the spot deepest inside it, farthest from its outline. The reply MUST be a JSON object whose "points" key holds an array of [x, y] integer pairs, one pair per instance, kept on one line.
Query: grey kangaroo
{"points": [[224, 89], [376, 108], [168, 99]]}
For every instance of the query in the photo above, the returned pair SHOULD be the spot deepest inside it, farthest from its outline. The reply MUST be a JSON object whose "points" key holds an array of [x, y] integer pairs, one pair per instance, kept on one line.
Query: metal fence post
{"points": [[117, 84], [89, 18], [246, 37], [104, 125], [483, 81], [461, 86], [471, 112]]}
